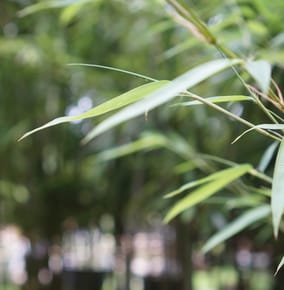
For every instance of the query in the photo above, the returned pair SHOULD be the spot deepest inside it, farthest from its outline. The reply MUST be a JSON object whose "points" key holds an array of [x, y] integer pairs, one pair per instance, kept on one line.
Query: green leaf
{"points": [[150, 141], [207, 190], [218, 99], [43, 5], [261, 71], [70, 12], [164, 94], [252, 200], [114, 69], [279, 266], [108, 106], [236, 226], [214, 176], [267, 156], [261, 126], [277, 196], [184, 167], [262, 191]]}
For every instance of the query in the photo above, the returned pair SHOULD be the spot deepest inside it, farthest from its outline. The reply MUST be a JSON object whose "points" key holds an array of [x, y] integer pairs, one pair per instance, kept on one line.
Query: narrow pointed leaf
{"points": [[184, 167], [111, 68], [236, 226], [267, 156], [207, 190], [261, 72], [261, 126], [218, 99], [164, 94], [213, 176], [279, 266], [253, 200], [108, 106], [277, 196], [150, 141], [43, 5]]}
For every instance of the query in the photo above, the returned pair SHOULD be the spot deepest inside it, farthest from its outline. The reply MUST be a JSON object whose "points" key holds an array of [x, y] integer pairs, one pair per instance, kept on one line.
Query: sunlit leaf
{"points": [[219, 99], [150, 141], [191, 184], [207, 190], [261, 71], [236, 226], [279, 266], [277, 196], [113, 104], [164, 94]]}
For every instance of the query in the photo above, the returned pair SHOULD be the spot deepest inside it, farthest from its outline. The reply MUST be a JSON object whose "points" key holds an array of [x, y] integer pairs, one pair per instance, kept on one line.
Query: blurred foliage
{"points": [[50, 176]]}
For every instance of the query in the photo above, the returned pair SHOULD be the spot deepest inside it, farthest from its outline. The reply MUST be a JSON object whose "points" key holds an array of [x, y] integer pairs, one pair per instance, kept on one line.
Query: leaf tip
{"points": [[22, 137], [280, 265], [86, 140], [167, 218]]}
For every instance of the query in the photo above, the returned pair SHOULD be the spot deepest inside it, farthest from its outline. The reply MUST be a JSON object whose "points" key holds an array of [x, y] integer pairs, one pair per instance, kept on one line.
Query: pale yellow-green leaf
{"points": [[207, 190], [195, 183], [164, 94], [218, 99], [108, 106]]}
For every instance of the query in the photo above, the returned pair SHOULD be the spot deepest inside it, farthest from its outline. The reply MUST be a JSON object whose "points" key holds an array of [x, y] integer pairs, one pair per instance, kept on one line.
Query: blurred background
{"points": [[85, 217]]}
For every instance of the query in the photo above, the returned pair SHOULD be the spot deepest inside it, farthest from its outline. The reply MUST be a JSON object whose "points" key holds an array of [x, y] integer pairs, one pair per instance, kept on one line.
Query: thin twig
{"points": [[231, 115]]}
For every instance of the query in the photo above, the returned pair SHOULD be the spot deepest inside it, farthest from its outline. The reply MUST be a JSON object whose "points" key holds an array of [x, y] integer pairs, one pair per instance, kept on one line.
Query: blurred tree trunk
{"points": [[184, 253]]}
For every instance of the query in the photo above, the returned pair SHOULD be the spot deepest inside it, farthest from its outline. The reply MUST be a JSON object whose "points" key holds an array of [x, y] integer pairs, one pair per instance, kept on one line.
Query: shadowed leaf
{"points": [[261, 71], [236, 226], [150, 141], [277, 196]]}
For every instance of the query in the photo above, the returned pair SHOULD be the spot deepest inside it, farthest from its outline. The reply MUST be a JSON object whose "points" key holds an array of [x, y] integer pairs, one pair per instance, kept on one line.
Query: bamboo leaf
{"points": [[43, 5], [218, 99], [108, 106], [236, 226], [261, 126], [267, 156], [150, 141], [164, 94], [184, 167], [277, 196], [214, 176], [113, 69], [253, 200], [207, 190], [70, 12], [261, 71], [279, 266]]}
